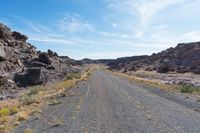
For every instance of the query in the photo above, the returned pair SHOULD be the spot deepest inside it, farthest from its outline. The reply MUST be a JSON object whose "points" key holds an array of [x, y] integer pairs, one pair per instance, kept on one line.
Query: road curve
{"points": [[108, 104]]}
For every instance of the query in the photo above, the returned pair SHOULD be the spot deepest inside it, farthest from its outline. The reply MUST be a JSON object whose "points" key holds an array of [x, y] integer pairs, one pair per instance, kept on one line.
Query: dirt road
{"points": [[108, 104]]}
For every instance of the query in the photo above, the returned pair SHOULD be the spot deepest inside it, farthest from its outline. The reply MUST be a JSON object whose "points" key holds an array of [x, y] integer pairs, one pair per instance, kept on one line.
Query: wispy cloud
{"points": [[145, 10], [72, 23], [116, 35]]}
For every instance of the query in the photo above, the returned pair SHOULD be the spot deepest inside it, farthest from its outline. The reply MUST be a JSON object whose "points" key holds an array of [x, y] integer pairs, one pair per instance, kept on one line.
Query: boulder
{"points": [[5, 32], [7, 84], [55, 54], [44, 57], [32, 76], [19, 36], [183, 69], [50, 53], [2, 54], [163, 68]]}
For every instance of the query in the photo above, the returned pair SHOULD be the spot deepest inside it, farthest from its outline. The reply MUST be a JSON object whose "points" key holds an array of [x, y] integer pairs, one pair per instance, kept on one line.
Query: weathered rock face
{"points": [[183, 58], [21, 62], [32, 76]]}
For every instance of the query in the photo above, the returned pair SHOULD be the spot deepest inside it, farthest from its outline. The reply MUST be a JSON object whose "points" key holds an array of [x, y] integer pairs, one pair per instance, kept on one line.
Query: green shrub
{"points": [[4, 112], [187, 88]]}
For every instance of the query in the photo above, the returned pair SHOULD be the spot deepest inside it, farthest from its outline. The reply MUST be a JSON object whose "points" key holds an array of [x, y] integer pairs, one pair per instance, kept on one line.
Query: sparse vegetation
{"points": [[3, 119], [184, 88], [34, 90], [29, 99], [4, 112], [187, 88], [54, 101], [56, 122], [71, 76], [28, 131], [13, 111]]}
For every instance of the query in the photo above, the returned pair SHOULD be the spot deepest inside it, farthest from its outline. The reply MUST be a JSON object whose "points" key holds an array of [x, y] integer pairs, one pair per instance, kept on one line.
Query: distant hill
{"points": [[185, 57], [121, 63], [91, 61]]}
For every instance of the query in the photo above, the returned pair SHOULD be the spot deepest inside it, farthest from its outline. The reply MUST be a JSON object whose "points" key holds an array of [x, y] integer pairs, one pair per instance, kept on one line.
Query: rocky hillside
{"points": [[22, 65], [121, 63], [183, 58]]}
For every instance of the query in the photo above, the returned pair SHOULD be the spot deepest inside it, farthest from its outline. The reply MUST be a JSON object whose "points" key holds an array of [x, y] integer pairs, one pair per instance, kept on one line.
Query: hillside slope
{"points": [[22, 65], [183, 58]]}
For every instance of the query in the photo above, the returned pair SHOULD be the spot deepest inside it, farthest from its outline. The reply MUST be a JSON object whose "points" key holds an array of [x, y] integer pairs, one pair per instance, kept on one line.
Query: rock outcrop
{"points": [[21, 65]]}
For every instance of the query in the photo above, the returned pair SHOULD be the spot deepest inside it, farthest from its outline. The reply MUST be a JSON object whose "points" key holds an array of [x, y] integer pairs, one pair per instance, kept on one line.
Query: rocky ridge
{"points": [[21, 65], [180, 59]]}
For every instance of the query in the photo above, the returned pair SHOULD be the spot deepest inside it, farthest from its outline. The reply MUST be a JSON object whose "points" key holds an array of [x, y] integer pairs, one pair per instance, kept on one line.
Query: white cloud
{"points": [[73, 23], [114, 25], [148, 9], [145, 10], [116, 35], [192, 36]]}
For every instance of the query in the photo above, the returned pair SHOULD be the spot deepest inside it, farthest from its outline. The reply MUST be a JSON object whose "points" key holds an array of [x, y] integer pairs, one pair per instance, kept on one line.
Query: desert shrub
{"points": [[54, 101], [74, 75], [13, 110], [3, 119], [27, 100], [187, 88], [34, 91], [4, 112], [31, 96]]}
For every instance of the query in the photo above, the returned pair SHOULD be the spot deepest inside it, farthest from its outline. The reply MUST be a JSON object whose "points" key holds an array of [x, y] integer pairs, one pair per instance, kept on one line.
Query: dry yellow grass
{"points": [[13, 111], [153, 83], [183, 88]]}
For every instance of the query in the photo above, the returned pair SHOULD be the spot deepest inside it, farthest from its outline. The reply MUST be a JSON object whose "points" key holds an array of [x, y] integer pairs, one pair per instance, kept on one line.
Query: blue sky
{"points": [[104, 28]]}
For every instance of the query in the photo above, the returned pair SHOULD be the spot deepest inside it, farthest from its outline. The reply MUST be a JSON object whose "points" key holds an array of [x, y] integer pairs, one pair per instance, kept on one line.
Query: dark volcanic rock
{"points": [[19, 36], [163, 68], [30, 77], [44, 57], [36, 64], [5, 32]]}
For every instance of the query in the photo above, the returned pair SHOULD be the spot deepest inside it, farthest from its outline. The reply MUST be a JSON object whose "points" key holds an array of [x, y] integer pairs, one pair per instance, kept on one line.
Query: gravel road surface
{"points": [[109, 104]]}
